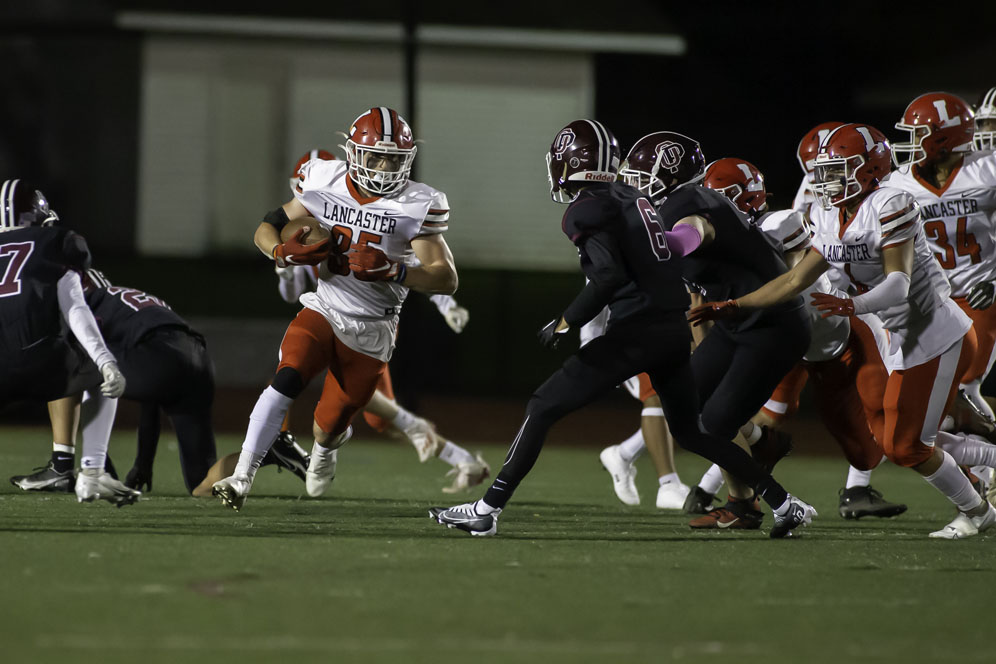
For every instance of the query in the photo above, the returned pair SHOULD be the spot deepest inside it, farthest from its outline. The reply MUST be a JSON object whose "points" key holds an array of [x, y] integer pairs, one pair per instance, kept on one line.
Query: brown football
{"points": [[313, 236]]}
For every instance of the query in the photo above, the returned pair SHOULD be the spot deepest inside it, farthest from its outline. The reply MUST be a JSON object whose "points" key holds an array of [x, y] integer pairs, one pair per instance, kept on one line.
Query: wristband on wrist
{"points": [[402, 273]]}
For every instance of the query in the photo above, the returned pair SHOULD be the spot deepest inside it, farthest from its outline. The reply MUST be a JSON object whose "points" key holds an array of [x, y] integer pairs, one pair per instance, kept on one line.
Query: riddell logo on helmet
{"points": [[564, 140], [670, 154], [599, 177]]}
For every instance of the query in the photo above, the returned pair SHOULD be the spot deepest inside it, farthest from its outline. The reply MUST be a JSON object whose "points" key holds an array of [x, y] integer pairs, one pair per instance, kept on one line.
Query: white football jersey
{"points": [[959, 219], [928, 322], [389, 224], [788, 230]]}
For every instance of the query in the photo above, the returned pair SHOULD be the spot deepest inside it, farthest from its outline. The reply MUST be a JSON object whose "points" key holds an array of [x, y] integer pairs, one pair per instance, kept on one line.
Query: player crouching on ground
{"points": [[380, 223]]}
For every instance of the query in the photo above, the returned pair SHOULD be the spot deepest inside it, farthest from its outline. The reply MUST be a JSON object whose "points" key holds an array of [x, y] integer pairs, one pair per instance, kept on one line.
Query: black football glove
{"points": [[982, 295], [548, 335]]}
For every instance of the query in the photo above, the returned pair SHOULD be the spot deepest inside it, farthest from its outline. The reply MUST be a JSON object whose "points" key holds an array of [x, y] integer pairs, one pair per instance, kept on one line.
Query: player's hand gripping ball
{"points": [[369, 264], [305, 242]]}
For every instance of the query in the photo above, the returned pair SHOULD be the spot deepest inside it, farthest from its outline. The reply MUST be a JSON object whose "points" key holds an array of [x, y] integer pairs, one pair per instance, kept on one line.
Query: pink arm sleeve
{"points": [[683, 240]]}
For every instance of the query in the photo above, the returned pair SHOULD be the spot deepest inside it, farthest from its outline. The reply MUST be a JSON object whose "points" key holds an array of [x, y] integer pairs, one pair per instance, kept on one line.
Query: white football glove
{"points": [[114, 382], [457, 318], [982, 295]]}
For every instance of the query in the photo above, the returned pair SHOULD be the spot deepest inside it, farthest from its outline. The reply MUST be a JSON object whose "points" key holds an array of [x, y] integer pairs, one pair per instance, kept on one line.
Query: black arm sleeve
{"points": [[601, 260], [76, 253], [277, 218]]}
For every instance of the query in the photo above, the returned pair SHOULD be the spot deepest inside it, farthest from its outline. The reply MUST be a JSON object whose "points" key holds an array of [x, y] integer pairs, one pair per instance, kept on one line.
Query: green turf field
{"points": [[573, 576]]}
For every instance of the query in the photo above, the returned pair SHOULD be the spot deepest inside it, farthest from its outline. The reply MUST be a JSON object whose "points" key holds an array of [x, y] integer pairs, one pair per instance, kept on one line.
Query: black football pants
{"points": [[735, 373], [170, 369], [658, 345]]}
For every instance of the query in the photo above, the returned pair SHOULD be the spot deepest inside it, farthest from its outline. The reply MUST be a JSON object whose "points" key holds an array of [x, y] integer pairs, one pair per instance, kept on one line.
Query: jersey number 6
{"points": [[658, 243]]}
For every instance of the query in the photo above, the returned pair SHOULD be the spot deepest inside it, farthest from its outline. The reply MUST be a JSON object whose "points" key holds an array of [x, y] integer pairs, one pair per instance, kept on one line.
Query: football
{"points": [[313, 236]]}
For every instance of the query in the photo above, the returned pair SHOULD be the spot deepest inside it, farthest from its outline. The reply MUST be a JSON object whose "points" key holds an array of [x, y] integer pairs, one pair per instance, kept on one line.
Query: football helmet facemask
{"points": [[663, 162], [22, 204], [740, 181], [938, 124], [584, 151], [851, 162], [985, 121], [380, 151]]}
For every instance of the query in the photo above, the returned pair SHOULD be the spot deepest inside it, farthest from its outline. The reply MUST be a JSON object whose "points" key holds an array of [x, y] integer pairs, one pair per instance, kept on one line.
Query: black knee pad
{"points": [[288, 382]]}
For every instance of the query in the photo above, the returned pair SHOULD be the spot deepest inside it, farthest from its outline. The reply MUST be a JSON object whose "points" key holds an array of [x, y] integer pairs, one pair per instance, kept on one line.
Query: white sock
{"points": [[857, 477], [631, 448], [65, 449], [950, 481], [967, 449], [712, 480], [454, 454], [668, 479], [98, 420], [751, 432], [248, 464], [483, 508], [265, 421], [403, 419]]}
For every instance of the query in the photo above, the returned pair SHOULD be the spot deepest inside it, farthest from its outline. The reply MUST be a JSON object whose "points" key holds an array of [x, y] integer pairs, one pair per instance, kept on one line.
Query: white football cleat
{"points": [[966, 526], [623, 475], [233, 491], [104, 487], [321, 472], [423, 437], [672, 495], [468, 474]]}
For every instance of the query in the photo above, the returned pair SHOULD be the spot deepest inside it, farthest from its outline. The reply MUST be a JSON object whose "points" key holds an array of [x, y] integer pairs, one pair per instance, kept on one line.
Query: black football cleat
{"points": [[46, 478], [859, 501], [285, 453], [773, 446], [698, 501], [799, 514], [466, 518]]}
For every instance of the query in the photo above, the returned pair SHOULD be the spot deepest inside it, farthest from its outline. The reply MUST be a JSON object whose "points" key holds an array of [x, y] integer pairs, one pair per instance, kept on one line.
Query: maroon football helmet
{"points": [[740, 181], [852, 160], [583, 151], [22, 204], [660, 163], [938, 124]]}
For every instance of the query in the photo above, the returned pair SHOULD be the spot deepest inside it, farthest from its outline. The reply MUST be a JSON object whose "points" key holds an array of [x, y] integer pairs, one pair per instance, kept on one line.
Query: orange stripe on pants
{"points": [[787, 394]]}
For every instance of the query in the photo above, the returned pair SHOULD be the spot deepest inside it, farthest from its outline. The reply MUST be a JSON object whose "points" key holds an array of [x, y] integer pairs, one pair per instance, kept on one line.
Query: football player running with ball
{"points": [[634, 266], [380, 223], [872, 236]]}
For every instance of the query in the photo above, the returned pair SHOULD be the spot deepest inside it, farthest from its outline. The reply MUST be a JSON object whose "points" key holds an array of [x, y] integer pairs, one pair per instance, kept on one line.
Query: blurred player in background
{"points": [[871, 235], [386, 237], [634, 266], [653, 435], [985, 121], [50, 346]]}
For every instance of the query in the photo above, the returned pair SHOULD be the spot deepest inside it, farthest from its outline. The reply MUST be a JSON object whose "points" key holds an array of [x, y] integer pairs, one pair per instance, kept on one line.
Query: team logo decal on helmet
{"points": [[583, 151], [938, 124], [662, 162], [670, 154]]}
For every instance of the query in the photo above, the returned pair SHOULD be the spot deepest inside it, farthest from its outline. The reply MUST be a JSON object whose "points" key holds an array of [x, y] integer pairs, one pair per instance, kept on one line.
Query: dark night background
{"points": [[755, 77]]}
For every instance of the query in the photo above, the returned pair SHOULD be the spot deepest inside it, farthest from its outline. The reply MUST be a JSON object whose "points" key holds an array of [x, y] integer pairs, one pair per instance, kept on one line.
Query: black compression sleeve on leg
{"points": [[288, 382]]}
